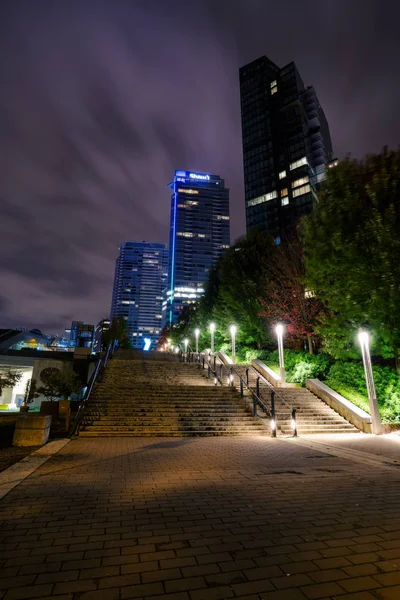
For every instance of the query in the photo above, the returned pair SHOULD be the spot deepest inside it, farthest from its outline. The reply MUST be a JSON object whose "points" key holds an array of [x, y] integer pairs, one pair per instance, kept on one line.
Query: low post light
{"points": [[363, 339], [212, 331], [197, 333], [233, 330], [185, 342], [279, 333]]}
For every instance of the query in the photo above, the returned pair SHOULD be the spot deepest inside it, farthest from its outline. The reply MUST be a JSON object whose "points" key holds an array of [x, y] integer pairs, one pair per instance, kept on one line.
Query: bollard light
{"points": [[233, 330], [186, 341], [279, 329], [212, 331], [363, 339], [197, 333]]}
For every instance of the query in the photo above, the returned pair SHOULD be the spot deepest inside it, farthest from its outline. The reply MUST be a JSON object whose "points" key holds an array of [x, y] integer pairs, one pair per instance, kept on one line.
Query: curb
{"points": [[13, 476]]}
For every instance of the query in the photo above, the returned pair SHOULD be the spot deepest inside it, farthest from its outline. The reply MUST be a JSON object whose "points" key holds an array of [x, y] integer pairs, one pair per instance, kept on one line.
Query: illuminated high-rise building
{"points": [[139, 288], [286, 145], [199, 234]]}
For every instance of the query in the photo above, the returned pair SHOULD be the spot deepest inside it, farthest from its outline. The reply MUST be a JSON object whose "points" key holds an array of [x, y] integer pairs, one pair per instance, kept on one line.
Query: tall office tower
{"points": [[139, 288], [200, 232], [286, 145]]}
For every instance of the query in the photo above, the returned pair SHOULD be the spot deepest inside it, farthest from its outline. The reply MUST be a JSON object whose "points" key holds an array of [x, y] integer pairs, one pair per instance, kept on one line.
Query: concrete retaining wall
{"points": [[358, 417], [225, 358]]}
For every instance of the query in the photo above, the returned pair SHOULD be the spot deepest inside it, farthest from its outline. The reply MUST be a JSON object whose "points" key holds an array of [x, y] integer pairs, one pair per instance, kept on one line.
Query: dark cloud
{"points": [[101, 101]]}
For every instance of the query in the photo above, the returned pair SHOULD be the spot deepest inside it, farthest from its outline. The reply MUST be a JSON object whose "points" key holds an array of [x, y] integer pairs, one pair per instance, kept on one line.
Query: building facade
{"points": [[139, 288], [81, 335], [199, 234], [286, 145], [101, 327]]}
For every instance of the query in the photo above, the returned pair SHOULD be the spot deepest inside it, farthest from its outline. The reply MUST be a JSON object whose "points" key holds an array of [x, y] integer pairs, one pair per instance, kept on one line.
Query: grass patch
{"points": [[351, 394]]}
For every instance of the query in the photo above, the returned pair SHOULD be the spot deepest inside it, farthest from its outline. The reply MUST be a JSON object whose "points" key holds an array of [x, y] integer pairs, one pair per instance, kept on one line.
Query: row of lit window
{"points": [[301, 190], [263, 198]]}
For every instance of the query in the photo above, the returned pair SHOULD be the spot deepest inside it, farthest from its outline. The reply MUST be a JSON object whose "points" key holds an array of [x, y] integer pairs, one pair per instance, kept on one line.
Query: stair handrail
{"points": [[95, 378], [202, 358]]}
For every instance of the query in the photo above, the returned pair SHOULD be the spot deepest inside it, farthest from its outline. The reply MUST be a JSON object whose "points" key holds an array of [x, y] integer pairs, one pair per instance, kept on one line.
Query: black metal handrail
{"points": [[95, 378], [198, 357], [230, 371]]}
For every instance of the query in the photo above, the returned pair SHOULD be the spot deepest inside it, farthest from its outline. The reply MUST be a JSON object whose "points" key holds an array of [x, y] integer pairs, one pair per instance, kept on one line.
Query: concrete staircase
{"points": [[142, 396], [312, 414]]}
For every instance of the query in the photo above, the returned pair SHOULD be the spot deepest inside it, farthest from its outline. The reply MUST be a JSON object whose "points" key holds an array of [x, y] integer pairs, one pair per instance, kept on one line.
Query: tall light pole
{"points": [[363, 339], [197, 333], [212, 330], [233, 330], [279, 333]]}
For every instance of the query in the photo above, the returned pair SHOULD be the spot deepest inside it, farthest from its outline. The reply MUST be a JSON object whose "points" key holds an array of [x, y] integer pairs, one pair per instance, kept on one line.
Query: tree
{"points": [[58, 384], [286, 298], [352, 252], [117, 331], [9, 378], [31, 391], [237, 287]]}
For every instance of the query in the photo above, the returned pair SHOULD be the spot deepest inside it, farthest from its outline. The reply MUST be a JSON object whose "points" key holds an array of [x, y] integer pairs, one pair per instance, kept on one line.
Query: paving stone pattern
{"points": [[201, 518]]}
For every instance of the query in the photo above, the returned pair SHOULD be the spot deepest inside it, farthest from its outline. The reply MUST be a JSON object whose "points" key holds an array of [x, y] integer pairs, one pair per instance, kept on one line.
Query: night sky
{"points": [[101, 101]]}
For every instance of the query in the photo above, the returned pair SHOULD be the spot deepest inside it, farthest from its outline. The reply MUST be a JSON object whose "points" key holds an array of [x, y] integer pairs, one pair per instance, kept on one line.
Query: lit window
{"points": [[274, 90], [185, 234], [263, 198], [285, 201], [201, 235], [282, 175], [190, 191], [301, 190], [222, 218], [274, 83], [191, 203], [301, 181], [284, 192], [298, 163]]}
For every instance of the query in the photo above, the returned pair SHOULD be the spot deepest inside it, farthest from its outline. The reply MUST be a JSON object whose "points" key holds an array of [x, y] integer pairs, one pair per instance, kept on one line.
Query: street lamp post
{"points": [[197, 333], [212, 330], [233, 336], [279, 333], [363, 339]]}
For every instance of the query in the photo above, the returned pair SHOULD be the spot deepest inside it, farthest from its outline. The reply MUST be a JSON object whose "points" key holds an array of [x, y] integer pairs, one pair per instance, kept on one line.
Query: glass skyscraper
{"points": [[139, 288], [200, 233], [286, 145]]}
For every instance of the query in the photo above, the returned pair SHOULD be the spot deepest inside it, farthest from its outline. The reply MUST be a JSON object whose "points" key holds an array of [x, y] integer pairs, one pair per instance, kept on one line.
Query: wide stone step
{"points": [[170, 434]]}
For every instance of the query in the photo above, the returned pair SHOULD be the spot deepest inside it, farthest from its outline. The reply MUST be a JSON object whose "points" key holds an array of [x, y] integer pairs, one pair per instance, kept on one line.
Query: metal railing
{"points": [[220, 370], [95, 378]]}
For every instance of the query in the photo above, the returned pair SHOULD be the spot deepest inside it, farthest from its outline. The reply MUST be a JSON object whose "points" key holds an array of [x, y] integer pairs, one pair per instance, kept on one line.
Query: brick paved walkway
{"points": [[201, 518]]}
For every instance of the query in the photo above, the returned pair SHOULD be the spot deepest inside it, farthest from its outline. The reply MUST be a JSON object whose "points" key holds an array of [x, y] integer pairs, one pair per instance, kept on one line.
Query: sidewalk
{"points": [[201, 519], [385, 446]]}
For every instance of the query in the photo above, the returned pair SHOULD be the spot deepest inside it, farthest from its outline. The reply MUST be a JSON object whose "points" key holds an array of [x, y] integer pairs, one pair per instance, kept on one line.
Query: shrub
{"points": [[253, 354], [301, 366], [350, 375]]}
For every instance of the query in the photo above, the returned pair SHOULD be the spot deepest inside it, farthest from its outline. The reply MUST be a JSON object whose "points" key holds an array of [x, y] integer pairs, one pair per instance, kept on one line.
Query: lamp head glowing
{"points": [[212, 327], [197, 332], [233, 329], [363, 338], [279, 329]]}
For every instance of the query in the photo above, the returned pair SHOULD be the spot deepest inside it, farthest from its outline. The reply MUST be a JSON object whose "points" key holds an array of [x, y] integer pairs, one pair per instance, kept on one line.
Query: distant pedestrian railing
{"points": [[95, 378]]}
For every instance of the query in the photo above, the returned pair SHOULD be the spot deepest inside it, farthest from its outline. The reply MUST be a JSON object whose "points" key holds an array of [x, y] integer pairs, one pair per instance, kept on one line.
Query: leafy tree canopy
{"points": [[352, 252]]}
